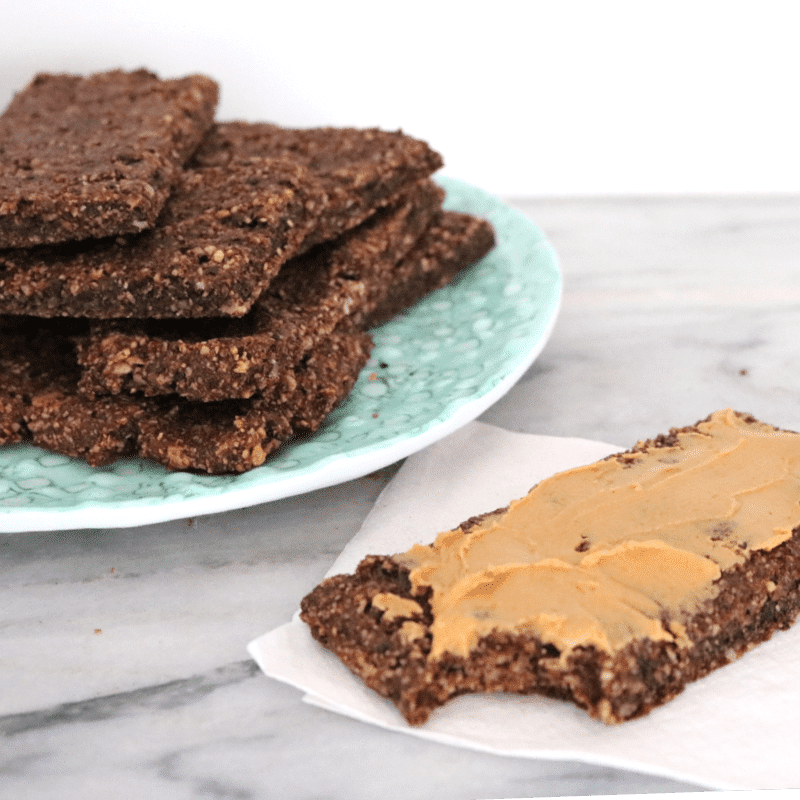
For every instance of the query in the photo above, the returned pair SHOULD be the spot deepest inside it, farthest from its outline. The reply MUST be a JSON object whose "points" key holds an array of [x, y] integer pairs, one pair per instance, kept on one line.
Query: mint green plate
{"points": [[433, 369]]}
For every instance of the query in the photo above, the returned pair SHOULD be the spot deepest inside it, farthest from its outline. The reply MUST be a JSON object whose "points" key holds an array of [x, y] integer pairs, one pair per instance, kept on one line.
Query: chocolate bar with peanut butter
{"points": [[611, 585], [87, 157]]}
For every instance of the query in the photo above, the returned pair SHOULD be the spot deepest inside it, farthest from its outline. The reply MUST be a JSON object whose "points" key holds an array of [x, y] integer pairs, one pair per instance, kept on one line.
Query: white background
{"points": [[522, 98]]}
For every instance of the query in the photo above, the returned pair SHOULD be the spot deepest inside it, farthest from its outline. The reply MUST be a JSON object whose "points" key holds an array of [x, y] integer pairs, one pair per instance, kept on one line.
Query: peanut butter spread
{"points": [[617, 550], [394, 606]]}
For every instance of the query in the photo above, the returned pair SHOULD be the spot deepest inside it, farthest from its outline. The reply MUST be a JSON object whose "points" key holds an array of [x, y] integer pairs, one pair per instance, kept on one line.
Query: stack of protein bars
{"points": [[198, 293]]}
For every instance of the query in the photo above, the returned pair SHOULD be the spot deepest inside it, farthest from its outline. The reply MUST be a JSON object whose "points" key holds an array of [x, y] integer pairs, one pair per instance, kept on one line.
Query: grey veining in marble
{"points": [[122, 660]]}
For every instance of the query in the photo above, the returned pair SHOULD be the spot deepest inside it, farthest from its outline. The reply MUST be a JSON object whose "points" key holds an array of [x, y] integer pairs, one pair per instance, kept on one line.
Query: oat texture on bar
{"points": [[86, 157]]}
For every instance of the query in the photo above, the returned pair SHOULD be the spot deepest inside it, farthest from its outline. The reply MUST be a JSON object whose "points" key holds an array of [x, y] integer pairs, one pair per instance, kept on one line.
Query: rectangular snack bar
{"points": [[240, 358], [222, 237], [360, 170], [222, 437], [612, 585], [235, 436], [220, 359], [96, 156], [227, 229]]}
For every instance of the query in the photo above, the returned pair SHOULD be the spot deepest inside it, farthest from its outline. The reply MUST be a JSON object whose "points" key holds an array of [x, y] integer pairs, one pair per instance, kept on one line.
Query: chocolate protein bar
{"points": [[230, 436], [359, 170], [612, 585], [41, 397], [221, 239], [306, 302], [95, 156], [219, 359], [229, 226]]}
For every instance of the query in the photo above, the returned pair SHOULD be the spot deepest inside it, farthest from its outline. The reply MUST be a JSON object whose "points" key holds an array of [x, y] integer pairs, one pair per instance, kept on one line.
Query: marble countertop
{"points": [[122, 652]]}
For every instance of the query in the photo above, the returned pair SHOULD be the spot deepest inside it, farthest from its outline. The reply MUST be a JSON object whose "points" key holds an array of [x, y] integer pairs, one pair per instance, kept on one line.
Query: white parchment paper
{"points": [[738, 728]]}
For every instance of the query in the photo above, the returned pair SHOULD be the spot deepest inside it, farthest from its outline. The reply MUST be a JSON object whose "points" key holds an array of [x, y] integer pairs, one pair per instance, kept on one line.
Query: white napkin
{"points": [[738, 728]]}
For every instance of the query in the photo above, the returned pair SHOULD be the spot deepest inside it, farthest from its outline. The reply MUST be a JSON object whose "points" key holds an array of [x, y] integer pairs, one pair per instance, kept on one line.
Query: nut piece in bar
{"points": [[612, 585], [86, 157], [220, 359]]}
